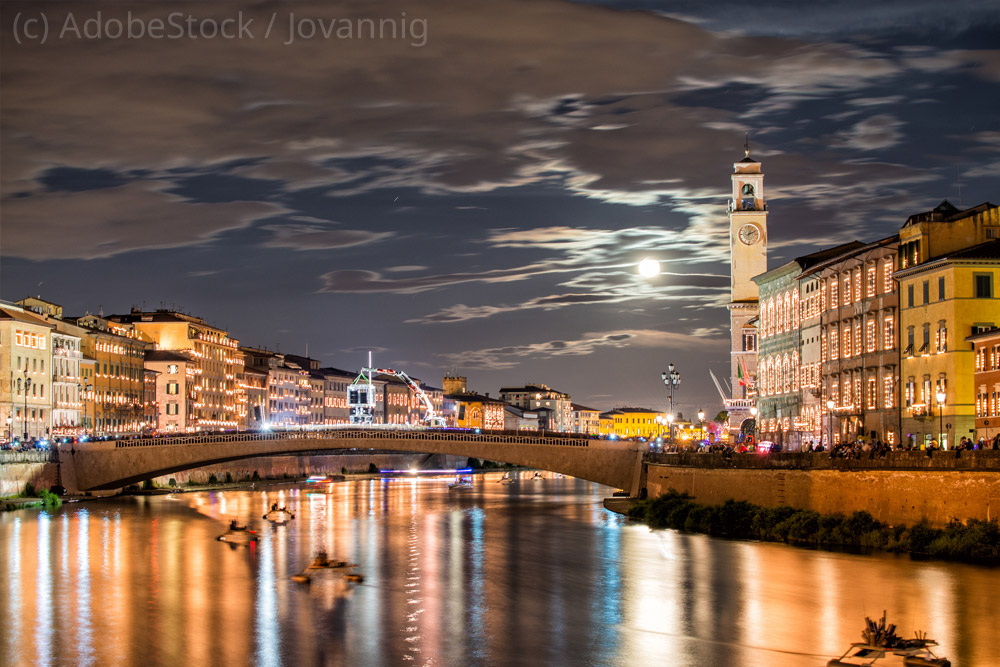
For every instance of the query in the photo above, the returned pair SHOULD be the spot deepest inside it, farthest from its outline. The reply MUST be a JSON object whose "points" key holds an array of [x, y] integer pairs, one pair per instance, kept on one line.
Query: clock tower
{"points": [[748, 258]]}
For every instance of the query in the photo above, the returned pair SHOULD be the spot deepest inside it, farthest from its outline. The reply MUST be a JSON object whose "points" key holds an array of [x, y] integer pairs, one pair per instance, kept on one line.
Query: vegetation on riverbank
{"points": [[975, 541]]}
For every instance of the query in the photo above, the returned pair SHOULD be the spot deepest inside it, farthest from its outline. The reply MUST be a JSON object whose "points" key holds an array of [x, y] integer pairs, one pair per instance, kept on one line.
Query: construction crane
{"points": [[361, 396]]}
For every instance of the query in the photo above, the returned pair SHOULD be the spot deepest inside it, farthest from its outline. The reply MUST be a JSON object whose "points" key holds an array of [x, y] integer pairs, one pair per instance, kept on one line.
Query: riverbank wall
{"points": [[907, 489]]}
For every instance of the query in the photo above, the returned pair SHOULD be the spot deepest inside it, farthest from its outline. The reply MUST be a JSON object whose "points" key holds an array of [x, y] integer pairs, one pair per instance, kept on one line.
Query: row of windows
{"points": [[846, 340], [35, 363], [29, 339], [857, 390], [922, 402], [988, 358]]}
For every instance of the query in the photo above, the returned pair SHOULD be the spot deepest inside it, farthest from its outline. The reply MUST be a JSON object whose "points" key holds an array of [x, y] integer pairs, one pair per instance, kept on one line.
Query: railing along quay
{"points": [[981, 459], [350, 435], [33, 456]]}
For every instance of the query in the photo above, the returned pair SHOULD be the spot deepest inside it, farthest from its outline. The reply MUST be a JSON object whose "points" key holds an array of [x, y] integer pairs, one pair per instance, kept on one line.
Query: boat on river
{"points": [[881, 641], [507, 479], [238, 534], [278, 514], [322, 563], [460, 484]]}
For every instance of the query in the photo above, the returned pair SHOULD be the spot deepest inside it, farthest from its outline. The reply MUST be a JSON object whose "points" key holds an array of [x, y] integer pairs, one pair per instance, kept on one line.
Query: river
{"points": [[535, 573]]}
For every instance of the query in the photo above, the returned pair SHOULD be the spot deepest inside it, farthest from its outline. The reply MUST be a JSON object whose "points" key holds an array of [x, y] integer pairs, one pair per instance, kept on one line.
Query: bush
{"points": [[802, 527], [921, 537], [212, 479], [229, 478], [343, 470], [147, 485], [171, 482], [50, 499], [373, 469], [255, 476]]}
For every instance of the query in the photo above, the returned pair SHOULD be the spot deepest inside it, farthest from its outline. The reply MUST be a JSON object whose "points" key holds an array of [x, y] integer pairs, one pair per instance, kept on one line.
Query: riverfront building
{"points": [[986, 382], [785, 415], [540, 397], [213, 351]]}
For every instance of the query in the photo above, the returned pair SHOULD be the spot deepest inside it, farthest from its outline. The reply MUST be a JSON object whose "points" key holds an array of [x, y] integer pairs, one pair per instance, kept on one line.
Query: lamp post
{"points": [[27, 385], [941, 396], [756, 435], [670, 428], [671, 378], [701, 420], [829, 408]]}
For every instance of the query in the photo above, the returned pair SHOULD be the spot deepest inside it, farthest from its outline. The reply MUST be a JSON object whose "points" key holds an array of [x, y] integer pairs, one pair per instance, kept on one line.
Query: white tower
{"points": [[748, 253]]}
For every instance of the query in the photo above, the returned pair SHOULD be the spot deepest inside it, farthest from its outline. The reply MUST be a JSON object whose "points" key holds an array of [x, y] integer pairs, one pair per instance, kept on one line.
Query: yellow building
{"points": [[948, 277], [114, 396], [637, 423], [475, 411], [215, 354]]}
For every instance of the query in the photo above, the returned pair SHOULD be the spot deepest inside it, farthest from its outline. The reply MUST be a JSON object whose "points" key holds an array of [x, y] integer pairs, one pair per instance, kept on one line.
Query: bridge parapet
{"points": [[346, 434]]}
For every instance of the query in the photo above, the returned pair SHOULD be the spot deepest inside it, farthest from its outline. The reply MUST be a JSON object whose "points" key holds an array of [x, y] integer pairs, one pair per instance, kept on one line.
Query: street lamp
{"points": [[671, 378], [701, 419], [756, 434], [829, 408], [670, 427], [940, 396], [27, 385]]}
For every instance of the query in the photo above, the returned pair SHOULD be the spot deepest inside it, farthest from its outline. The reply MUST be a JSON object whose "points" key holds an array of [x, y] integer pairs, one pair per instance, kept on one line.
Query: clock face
{"points": [[749, 234]]}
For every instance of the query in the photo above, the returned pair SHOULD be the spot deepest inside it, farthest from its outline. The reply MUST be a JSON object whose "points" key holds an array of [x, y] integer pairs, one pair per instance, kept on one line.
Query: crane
{"points": [[431, 418]]}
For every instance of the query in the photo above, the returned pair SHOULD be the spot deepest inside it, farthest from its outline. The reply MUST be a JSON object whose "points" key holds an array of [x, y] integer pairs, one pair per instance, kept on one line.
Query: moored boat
{"points": [[881, 641], [278, 514]]}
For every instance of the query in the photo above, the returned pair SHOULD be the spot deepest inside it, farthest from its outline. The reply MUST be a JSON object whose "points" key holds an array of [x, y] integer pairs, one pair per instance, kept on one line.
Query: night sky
{"points": [[474, 197]]}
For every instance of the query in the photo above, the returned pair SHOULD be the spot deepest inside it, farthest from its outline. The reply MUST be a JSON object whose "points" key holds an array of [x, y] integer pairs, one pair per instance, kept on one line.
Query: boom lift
{"points": [[361, 396]]}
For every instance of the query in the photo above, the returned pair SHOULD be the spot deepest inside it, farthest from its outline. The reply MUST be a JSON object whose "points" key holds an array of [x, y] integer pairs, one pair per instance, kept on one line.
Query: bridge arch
{"points": [[113, 464]]}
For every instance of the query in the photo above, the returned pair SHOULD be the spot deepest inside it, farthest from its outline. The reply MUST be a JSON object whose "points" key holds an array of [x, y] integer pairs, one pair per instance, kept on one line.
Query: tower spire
{"points": [[746, 144]]}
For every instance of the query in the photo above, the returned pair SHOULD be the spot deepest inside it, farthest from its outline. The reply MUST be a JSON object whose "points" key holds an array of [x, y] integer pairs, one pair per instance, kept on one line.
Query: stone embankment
{"points": [[902, 487]]}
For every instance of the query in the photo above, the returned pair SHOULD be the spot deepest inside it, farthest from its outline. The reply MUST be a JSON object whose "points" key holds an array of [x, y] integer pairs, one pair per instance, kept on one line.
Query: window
{"points": [[984, 285], [888, 392], [909, 342], [171, 408], [909, 295], [847, 290], [927, 291], [888, 335], [857, 285], [941, 288], [872, 393], [927, 338], [870, 291], [942, 337], [847, 341], [870, 335], [887, 277], [172, 387], [833, 293]]}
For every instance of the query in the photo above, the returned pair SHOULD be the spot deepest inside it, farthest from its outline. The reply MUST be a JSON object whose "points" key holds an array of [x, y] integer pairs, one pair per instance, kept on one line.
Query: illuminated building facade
{"points": [[478, 411], [25, 373], [175, 382], [214, 353], [986, 382], [585, 420], [538, 396]]}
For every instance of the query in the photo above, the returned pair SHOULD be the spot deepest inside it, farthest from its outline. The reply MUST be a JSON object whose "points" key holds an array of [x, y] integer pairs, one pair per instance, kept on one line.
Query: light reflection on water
{"points": [[536, 573]]}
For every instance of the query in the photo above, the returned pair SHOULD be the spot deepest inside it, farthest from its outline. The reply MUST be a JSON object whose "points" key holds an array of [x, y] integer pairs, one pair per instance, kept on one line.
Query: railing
{"points": [[352, 435], [29, 456], [980, 459]]}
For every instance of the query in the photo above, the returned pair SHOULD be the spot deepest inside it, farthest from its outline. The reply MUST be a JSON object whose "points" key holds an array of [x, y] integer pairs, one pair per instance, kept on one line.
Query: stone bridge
{"points": [[112, 464]]}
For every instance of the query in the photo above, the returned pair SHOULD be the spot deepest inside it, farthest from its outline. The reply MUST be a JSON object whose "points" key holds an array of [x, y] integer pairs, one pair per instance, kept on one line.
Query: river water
{"points": [[535, 573]]}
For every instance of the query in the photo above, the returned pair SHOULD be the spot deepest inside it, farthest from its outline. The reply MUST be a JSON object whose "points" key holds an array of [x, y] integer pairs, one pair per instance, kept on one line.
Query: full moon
{"points": [[649, 268]]}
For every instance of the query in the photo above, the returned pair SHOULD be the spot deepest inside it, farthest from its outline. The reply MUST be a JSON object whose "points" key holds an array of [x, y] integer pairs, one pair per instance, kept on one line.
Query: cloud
{"points": [[320, 237], [510, 356], [874, 133], [91, 224]]}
